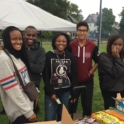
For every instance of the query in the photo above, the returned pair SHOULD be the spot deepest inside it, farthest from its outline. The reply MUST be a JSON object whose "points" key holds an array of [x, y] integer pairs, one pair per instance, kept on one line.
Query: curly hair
{"points": [[56, 36]]}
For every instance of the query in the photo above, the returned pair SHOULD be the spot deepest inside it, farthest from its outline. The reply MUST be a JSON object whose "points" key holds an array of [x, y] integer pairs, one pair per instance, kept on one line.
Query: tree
{"points": [[75, 12], [108, 20], [60, 8], [55, 7], [122, 22]]}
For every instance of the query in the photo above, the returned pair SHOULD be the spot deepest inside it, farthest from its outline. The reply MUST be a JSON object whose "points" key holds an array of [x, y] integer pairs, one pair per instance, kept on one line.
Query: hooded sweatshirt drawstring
{"points": [[78, 51], [83, 53], [84, 56]]}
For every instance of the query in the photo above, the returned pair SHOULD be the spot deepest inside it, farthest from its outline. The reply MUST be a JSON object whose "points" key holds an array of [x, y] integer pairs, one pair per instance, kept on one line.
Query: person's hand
{"points": [[90, 73], [115, 52], [53, 97], [32, 118]]}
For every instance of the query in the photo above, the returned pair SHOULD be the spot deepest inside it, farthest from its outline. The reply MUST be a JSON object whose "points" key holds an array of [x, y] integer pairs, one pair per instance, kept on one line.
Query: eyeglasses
{"points": [[80, 31]]}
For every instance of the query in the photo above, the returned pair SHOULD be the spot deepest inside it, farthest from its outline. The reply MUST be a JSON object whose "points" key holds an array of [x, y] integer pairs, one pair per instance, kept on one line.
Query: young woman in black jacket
{"points": [[60, 76], [111, 70]]}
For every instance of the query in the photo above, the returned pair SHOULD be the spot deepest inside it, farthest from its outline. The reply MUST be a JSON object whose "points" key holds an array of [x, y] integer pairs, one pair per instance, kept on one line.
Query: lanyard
{"points": [[59, 58]]}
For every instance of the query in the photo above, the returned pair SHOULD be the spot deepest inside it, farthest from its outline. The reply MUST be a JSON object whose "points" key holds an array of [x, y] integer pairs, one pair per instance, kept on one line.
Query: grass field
{"points": [[97, 99]]}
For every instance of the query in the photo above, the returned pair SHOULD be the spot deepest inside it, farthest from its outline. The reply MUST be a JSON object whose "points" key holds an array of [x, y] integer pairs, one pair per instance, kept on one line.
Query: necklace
{"points": [[60, 62]]}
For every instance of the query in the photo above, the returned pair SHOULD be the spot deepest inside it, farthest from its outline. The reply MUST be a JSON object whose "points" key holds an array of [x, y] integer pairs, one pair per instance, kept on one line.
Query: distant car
{"points": [[92, 39]]}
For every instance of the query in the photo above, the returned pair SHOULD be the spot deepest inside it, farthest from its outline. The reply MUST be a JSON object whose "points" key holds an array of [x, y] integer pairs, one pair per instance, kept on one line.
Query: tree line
{"points": [[63, 8], [60, 8], [109, 25]]}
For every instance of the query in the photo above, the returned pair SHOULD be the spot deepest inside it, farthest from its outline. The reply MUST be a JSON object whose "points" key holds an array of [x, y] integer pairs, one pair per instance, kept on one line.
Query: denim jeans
{"points": [[52, 109]]}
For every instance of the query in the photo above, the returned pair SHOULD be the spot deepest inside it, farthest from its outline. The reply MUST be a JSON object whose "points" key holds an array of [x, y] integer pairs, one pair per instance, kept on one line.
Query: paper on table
{"points": [[58, 101], [59, 122]]}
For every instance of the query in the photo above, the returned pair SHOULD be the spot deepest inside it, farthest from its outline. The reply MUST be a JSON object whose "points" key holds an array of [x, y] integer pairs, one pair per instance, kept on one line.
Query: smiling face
{"points": [[16, 39], [82, 32], [30, 36], [60, 44]]}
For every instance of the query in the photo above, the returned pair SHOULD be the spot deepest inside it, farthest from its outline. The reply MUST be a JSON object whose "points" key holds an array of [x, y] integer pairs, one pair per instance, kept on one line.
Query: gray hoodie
{"points": [[36, 58]]}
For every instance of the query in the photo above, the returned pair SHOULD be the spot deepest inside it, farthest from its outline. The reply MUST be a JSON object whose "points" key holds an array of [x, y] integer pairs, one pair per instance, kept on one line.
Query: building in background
{"points": [[93, 28], [91, 20], [73, 20]]}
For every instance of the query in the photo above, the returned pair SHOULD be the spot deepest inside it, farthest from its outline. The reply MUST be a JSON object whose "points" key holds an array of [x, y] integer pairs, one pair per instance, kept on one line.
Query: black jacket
{"points": [[36, 58], [52, 64], [111, 73]]}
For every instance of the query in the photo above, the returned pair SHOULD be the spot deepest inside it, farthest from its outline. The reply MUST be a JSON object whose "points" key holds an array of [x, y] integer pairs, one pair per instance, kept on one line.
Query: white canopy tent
{"points": [[22, 14]]}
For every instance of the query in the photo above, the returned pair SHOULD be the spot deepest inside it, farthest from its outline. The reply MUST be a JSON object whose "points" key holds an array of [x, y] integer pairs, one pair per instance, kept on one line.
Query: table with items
{"points": [[110, 116]]}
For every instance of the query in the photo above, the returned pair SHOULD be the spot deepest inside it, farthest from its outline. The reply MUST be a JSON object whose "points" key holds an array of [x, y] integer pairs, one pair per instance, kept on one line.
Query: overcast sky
{"points": [[92, 6]]}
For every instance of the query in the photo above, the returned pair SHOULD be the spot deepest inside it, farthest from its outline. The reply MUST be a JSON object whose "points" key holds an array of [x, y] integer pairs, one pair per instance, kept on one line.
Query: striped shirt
{"points": [[14, 100]]}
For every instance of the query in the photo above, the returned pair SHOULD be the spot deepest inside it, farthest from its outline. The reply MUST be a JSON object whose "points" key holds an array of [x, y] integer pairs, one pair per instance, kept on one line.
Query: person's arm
{"points": [[40, 63], [95, 58], [113, 68], [47, 76], [10, 85]]}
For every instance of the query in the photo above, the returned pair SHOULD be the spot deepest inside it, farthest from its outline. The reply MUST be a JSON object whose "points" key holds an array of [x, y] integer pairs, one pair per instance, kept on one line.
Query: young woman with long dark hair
{"points": [[17, 105], [111, 70]]}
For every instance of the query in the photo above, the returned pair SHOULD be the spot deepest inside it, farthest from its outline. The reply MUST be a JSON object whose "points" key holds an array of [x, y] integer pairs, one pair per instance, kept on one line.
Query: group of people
{"points": [[68, 65]]}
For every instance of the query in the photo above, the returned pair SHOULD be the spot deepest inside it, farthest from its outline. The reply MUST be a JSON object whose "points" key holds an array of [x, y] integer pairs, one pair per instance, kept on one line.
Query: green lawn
{"points": [[97, 99]]}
